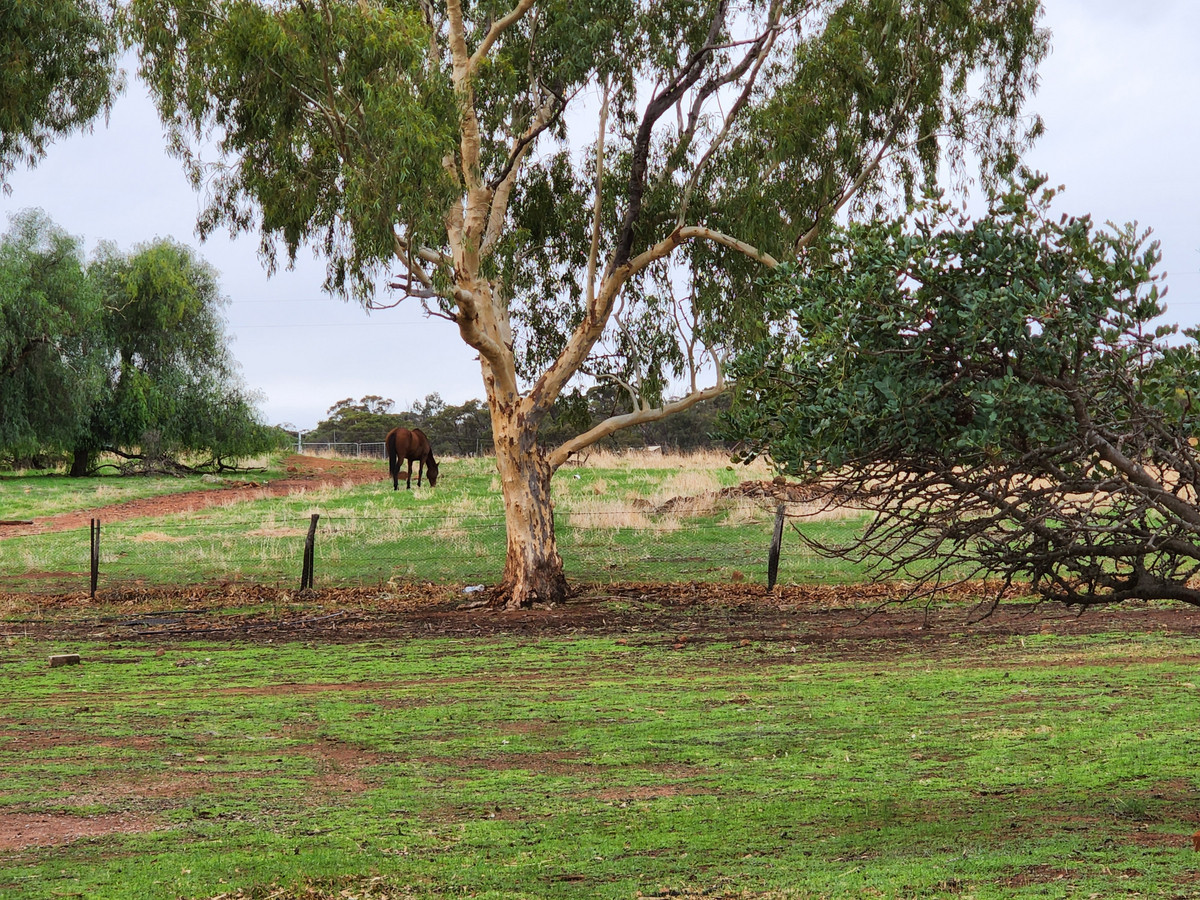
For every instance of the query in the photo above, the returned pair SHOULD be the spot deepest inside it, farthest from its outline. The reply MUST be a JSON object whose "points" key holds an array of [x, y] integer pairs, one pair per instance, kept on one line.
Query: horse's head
{"points": [[432, 472]]}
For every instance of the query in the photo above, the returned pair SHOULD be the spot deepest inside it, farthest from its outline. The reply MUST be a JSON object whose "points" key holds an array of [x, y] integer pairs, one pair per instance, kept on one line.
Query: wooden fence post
{"points": [[306, 576], [95, 555], [776, 544]]}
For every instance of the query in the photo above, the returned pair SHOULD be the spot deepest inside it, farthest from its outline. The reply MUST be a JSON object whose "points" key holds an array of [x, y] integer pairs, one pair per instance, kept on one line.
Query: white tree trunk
{"points": [[533, 570]]}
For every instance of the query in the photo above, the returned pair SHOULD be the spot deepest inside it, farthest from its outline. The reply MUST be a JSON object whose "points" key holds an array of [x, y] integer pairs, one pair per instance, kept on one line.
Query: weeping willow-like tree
{"points": [[125, 354], [586, 191], [169, 384]]}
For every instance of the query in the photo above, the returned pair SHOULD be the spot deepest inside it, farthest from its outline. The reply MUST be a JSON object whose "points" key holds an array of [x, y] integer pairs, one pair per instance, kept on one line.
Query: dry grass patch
{"points": [[455, 517], [278, 532], [104, 493], [450, 528], [614, 515], [647, 459], [687, 483], [746, 511], [157, 537]]}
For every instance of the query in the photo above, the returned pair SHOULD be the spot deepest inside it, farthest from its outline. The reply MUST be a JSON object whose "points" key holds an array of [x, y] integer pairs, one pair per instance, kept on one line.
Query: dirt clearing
{"points": [[840, 620]]}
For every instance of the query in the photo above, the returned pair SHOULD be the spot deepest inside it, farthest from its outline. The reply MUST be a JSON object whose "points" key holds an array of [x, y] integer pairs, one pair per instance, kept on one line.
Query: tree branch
{"points": [[757, 55], [598, 205], [502, 184], [596, 318], [826, 213], [462, 74], [613, 424], [679, 85], [498, 28]]}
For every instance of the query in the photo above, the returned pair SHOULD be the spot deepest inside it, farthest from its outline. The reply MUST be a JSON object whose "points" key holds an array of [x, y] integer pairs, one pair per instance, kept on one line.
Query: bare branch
{"points": [[597, 206], [498, 28], [462, 74], [662, 101], [872, 165], [502, 185], [597, 316], [760, 51], [635, 397], [560, 454], [693, 232], [433, 57]]}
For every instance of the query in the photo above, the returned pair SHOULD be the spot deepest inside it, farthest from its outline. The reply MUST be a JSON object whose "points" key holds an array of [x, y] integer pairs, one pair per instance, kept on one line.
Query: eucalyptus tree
{"points": [[1001, 394], [59, 72], [585, 189]]}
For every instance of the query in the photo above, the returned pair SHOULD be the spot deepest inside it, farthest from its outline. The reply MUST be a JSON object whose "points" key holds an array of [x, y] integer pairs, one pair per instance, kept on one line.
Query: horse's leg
{"points": [[408, 482], [420, 469]]}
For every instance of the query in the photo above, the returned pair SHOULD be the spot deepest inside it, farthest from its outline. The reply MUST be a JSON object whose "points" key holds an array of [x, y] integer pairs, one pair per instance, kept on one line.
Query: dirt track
{"points": [[305, 473]]}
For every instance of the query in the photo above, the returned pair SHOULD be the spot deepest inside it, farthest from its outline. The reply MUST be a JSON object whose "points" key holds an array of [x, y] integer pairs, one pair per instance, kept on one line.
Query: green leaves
{"points": [[1001, 390], [49, 361], [125, 353], [59, 73], [338, 126], [172, 382], [333, 121]]}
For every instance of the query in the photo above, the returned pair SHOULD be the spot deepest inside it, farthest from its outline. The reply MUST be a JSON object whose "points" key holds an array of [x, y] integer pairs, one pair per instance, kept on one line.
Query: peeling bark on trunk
{"points": [[533, 570]]}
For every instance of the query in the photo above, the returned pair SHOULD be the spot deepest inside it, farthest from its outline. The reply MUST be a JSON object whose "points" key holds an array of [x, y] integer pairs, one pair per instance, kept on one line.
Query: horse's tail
{"points": [[393, 457]]}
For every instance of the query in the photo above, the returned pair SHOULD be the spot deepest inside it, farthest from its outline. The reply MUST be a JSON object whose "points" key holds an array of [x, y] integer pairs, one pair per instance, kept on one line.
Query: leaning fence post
{"points": [[306, 575], [776, 544], [95, 551]]}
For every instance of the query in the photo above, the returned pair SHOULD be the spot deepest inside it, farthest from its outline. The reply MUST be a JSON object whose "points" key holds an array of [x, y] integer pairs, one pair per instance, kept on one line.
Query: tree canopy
{"points": [[999, 393], [50, 361], [126, 354], [587, 190], [59, 73]]}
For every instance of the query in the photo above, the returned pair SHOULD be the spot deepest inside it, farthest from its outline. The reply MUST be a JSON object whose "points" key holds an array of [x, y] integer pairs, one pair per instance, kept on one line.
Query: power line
{"points": [[329, 325]]}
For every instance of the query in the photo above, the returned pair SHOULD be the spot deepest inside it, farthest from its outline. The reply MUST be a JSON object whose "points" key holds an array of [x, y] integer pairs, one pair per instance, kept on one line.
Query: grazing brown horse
{"points": [[403, 444]]}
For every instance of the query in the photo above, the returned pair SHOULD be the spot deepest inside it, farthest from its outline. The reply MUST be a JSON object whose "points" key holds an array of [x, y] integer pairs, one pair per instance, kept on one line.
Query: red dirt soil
{"points": [[304, 473]]}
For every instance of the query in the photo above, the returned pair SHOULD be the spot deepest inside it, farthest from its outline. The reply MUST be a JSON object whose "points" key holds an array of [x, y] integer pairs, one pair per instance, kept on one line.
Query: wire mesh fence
{"points": [[347, 449], [356, 549]]}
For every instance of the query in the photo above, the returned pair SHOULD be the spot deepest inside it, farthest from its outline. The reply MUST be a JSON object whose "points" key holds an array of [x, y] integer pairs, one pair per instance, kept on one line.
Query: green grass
{"points": [[591, 767], [617, 522]]}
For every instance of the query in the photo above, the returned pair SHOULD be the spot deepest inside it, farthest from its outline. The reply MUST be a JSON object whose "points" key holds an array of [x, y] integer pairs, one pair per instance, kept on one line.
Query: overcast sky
{"points": [[1120, 95]]}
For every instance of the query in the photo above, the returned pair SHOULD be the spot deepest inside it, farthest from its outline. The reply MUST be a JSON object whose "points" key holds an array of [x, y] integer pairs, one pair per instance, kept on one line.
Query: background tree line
{"points": [[466, 429], [125, 354]]}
